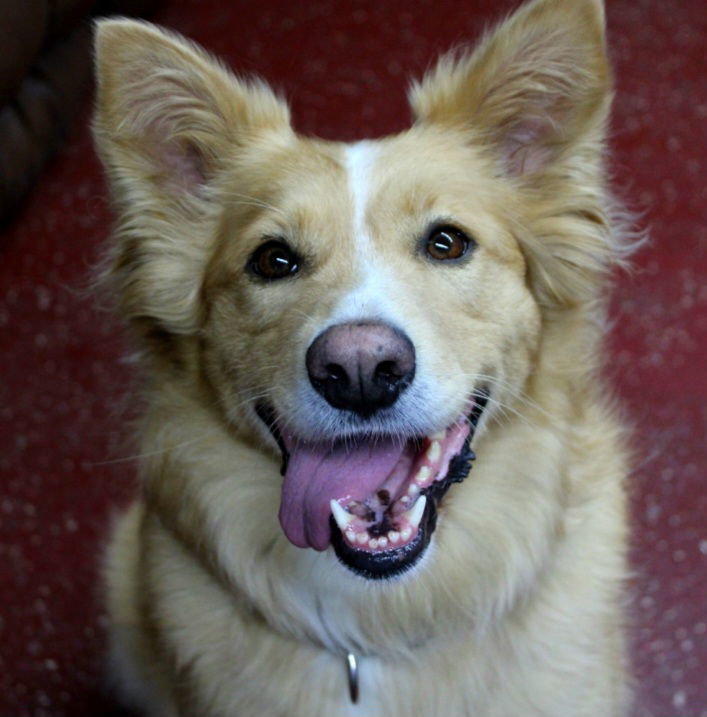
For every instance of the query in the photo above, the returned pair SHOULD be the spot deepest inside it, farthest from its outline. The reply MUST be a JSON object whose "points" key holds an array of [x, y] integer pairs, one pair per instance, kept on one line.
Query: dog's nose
{"points": [[361, 367]]}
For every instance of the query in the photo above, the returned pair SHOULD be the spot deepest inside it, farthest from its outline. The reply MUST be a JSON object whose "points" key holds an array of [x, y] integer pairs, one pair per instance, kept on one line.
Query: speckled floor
{"points": [[64, 378]]}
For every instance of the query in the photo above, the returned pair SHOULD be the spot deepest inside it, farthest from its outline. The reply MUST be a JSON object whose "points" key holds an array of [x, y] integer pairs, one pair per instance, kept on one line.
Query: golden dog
{"points": [[330, 334]]}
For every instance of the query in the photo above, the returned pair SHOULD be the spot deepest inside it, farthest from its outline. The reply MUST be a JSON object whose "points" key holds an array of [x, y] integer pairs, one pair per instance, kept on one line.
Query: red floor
{"points": [[65, 379]]}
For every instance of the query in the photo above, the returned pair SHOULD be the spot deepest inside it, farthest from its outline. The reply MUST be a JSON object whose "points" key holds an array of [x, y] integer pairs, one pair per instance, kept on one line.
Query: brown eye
{"points": [[273, 260], [447, 243]]}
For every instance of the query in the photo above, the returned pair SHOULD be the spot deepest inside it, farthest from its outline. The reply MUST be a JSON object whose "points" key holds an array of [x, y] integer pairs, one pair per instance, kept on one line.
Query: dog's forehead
{"points": [[403, 170], [425, 160]]}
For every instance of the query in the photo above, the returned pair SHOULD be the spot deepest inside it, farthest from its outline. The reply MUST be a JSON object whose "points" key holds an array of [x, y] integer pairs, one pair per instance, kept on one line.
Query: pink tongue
{"points": [[316, 474]]}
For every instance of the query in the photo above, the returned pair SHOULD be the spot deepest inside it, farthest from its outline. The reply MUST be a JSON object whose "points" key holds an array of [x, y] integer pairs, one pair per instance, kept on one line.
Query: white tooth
{"points": [[383, 542], [414, 515], [361, 538], [342, 518], [351, 535], [373, 543], [405, 499], [423, 474], [413, 489], [406, 534], [393, 536], [434, 452]]}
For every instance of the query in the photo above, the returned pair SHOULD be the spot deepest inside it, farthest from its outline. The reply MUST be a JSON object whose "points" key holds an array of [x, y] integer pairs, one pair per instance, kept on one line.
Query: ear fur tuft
{"points": [[165, 101]]}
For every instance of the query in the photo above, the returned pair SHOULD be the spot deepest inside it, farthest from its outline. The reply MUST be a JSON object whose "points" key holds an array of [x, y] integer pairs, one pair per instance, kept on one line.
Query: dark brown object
{"points": [[44, 69]]}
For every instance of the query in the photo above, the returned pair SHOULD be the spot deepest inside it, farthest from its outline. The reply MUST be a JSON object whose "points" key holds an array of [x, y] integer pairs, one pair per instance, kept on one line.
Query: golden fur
{"points": [[516, 608]]}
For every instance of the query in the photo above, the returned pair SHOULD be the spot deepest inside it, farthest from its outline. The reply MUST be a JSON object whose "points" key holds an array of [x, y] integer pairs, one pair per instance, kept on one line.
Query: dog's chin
{"points": [[385, 528]]}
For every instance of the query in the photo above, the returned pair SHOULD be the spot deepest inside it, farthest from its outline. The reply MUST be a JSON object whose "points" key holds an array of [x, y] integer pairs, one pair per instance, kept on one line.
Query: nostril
{"points": [[337, 373], [388, 370]]}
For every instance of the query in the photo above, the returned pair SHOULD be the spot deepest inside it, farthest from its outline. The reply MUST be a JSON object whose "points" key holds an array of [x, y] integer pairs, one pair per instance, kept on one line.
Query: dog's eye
{"points": [[445, 243], [273, 260]]}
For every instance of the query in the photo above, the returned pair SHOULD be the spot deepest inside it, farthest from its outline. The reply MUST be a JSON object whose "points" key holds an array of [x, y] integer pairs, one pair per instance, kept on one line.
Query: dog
{"points": [[381, 473]]}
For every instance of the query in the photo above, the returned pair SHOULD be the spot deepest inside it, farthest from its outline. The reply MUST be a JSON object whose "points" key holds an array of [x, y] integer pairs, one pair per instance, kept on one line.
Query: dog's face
{"points": [[362, 300], [364, 311]]}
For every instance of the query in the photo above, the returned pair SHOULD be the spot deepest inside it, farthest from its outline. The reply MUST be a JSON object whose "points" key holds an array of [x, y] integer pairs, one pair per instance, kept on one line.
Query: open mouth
{"points": [[374, 500]]}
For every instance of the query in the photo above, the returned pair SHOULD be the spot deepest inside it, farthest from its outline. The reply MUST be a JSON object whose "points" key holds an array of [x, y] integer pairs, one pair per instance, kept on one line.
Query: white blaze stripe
{"points": [[360, 160], [371, 296]]}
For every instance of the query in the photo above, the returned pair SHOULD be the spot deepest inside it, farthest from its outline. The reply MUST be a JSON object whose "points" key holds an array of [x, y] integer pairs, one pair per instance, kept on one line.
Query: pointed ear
{"points": [[169, 119], [169, 114], [535, 85]]}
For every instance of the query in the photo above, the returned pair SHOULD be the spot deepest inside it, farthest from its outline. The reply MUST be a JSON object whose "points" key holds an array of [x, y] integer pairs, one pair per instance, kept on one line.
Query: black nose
{"points": [[361, 367]]}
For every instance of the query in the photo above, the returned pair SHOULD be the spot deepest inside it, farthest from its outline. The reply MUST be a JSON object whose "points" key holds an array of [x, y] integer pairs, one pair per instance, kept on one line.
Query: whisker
{"points": [[219, 400], [254, 201], [161, 451]]}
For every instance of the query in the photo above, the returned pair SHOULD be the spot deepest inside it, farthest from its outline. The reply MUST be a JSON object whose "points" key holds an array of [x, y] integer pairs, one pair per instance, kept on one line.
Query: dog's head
{"points": [[362, 310]]}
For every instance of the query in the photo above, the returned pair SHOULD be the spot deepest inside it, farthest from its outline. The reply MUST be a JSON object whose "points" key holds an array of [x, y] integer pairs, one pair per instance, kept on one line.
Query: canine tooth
{"points": [[414, 515], [393, 536], [342, 518], [373, 543], [423, 474], [351, 535], [406, 534], [361, 538], [434, 452], [383, 542]]}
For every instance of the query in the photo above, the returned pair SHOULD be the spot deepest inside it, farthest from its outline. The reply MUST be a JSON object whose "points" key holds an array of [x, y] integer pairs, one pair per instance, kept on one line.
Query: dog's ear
{"points": [[533, 86], [534, 96], [168, 112], [169, 120]]}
